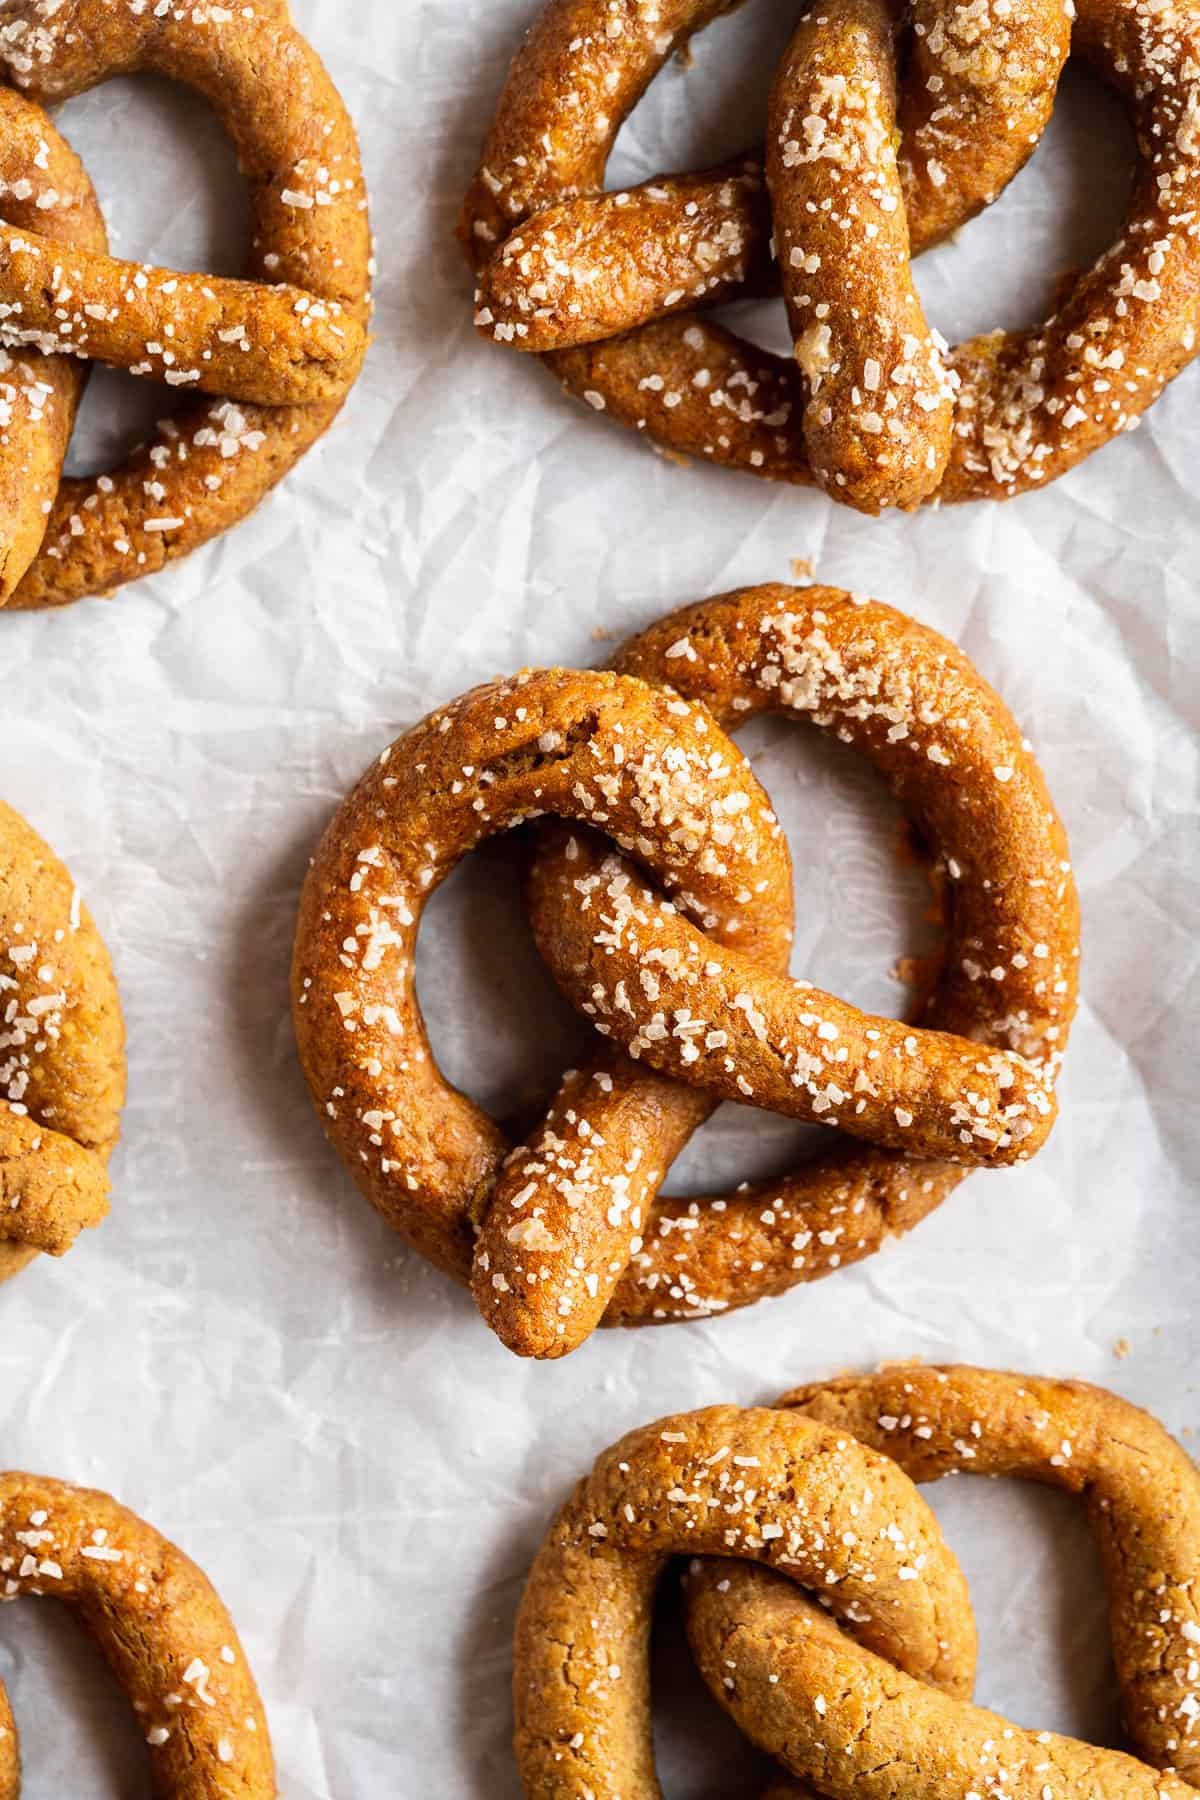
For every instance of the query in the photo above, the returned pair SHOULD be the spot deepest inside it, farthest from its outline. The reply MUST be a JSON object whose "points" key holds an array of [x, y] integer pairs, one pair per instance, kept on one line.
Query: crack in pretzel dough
{"points": [[62, 1062], [279, 351], [160, 1626], [860, 171]]}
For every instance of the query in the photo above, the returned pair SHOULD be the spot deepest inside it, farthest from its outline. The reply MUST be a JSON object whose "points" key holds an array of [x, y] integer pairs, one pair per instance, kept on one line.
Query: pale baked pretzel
{"points": [[62, 1059], [296, 332], [159, 1625], [953, 755], [843, 1719], [767, 1486], [1026, 405]]}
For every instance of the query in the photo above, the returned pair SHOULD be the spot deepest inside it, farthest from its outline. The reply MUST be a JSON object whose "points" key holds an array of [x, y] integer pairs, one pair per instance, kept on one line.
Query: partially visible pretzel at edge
{"points": [[281, 349], [874, 1732], [62, 1057], [827, 1613], [870, 406], [160, 1626]]}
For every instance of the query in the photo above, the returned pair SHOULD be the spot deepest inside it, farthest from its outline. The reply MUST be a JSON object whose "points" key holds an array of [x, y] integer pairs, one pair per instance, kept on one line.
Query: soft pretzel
{"points": [[295, 333], [653, 772], [956, 761], [43, 186], [976, 100], [159, 1625], [767, 1486], [559, 1222], [873, 408], [62, 1061], [846, 1721]]}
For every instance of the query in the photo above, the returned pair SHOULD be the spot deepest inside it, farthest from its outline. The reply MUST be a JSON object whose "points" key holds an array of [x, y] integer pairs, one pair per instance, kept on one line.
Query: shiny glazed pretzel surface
{"points": [[689, 991]]}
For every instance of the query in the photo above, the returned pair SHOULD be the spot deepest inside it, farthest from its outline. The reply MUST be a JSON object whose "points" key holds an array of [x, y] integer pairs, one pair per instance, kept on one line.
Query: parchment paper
{"points": [[243, 1353]]}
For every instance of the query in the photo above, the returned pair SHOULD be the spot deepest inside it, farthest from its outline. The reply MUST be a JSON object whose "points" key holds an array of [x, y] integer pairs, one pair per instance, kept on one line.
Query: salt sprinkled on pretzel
{"points": [[956, 761], [570, 1228], [62, 1062], [562, 267], [42, 185], [160, 1626], [853, 1725], [652, 772], [294, 334], [766, 1486]]}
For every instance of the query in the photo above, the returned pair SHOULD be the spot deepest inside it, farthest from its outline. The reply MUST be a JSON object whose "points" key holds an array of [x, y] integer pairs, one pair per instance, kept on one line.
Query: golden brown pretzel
{"points": [[42, 185], [1026, 405], [297, 331], [62, 1060], [160, 1626], [880, 1733], [768, 1486], [956, 760], [654, 773]]}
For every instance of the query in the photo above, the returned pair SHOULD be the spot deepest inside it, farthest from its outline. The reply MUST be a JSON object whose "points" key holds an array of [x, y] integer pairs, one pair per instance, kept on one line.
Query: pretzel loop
{"points": [[1142, 1496], [43, 186], [160, 1626], [62, 1064], [871, 406], [769, 1487], [296, 332], [651, 771]]}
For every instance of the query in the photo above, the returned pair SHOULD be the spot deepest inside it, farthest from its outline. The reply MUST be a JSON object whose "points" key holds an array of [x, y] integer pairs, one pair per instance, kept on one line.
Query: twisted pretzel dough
{"points": [[770, 1487], [879, 1733], [872, 409], [159, 1625], [956, 761], [655, 773], [295, 333], [569, 1228], [62, 1062], [42, 184]]}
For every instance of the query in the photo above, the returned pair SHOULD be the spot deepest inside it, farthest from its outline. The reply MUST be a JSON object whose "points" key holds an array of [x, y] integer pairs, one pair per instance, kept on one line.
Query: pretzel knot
{"points": [[836, 1713], [158, 1623], [861, 169], [281, 350], [856, 1670], [689, 991], [62, 1061]]}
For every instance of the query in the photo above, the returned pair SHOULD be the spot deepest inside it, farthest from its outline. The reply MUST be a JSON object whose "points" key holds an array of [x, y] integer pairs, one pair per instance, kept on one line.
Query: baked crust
{"points": [[296, 331], [568, 1230], [809, 1503], [879, 1733], [871, 405], [62, 1056], [159, 1625]]}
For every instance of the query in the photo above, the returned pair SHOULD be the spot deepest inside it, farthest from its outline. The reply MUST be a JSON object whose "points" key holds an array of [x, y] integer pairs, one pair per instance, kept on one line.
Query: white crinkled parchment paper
{"points": [[243, 1353]]}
